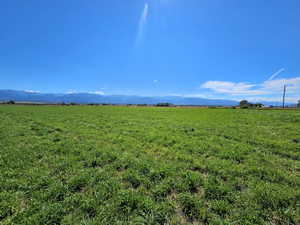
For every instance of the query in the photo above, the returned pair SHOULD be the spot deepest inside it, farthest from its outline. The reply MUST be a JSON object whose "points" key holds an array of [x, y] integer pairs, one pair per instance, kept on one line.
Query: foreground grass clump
{"points": [[121, 165]]}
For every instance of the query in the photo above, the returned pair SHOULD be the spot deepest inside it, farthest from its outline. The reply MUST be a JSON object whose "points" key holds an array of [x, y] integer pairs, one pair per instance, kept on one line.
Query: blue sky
{"points": [[207, 48]]}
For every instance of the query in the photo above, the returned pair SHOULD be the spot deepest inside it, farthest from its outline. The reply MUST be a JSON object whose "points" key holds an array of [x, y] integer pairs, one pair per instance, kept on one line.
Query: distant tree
{"points": [[73, 103], [258, 105], [298, 105], [244, 104], [164, 104], [10, 102]]}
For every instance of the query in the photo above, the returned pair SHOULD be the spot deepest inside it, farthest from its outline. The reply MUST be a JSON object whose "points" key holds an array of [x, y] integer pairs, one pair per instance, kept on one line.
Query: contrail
{"points": [[276, 74], [142, 23]]}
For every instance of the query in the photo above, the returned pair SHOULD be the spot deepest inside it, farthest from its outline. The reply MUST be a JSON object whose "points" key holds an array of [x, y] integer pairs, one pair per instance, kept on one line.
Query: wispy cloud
{"points": [[276, 74], [142, 24]]}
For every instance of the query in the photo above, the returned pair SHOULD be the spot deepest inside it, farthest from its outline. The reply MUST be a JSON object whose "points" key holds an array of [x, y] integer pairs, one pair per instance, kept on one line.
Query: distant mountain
{"points": [[85, 98]]}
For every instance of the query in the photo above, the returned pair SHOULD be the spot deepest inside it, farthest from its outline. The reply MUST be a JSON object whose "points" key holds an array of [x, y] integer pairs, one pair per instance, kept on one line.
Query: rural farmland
{"points": [[148, 165]]}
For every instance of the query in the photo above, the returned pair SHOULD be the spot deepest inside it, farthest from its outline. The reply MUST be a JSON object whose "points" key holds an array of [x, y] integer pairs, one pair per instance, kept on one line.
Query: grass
{"points": [[121, 165]]}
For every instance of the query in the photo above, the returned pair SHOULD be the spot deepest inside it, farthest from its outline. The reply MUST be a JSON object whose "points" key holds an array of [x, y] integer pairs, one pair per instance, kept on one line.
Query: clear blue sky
{"points": [[210, 48]]}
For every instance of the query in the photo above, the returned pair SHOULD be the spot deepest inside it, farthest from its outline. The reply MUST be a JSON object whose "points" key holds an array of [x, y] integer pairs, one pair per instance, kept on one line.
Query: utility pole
{"points": [[283, 98]]}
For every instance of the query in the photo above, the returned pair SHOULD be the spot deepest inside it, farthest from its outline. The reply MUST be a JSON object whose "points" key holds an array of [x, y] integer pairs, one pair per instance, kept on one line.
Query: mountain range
{"points": [[86, 98]]}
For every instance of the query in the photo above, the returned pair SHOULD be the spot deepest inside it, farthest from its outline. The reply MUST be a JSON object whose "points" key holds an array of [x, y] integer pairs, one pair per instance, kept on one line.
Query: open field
{"points": [[120, 165]]}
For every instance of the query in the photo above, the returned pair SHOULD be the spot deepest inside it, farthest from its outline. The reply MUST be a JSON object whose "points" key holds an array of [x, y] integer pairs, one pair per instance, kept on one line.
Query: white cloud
{"points": [[72, 92], [188, 95], [96, 92], [269, 90], [155, 81], [32, 91], [273, 99], [232, 88], [293, 84], [89, 92]]}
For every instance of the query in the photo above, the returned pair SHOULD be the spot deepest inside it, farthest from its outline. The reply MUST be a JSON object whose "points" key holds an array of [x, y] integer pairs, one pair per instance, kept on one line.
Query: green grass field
{"points": [[121, 165]]}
